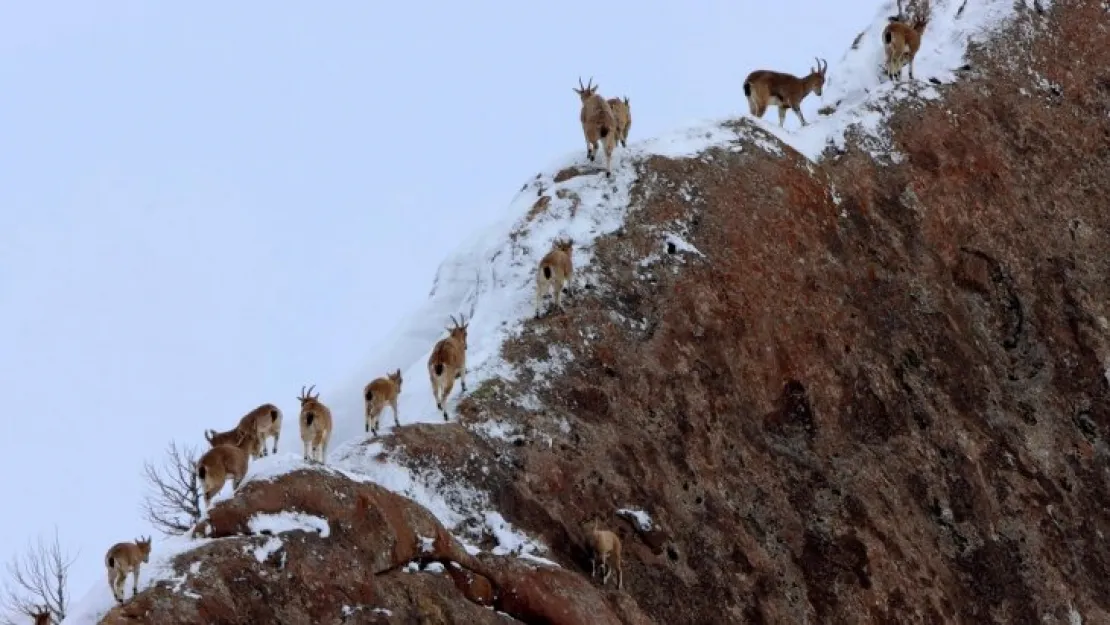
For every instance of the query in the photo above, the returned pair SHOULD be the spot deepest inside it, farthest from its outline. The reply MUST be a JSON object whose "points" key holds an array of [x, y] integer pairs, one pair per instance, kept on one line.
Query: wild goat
{"points": [[125, 558], [447, 363], [265, 420], [765, 88], [231, 438], [41, 615], [901, 40], [316, 424], [598, 122], [554, 271], [224, 461], [378, 393], [622, 111], [604, 545]]}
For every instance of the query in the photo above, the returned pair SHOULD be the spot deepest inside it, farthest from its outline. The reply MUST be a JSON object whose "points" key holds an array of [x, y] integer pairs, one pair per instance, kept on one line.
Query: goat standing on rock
{"points": [[265, 420], [604, 545], [378, 393], [765, 88], [226, 461], [554, 272], [598, 122], [122, 559], [448, 362], [316, 424]]}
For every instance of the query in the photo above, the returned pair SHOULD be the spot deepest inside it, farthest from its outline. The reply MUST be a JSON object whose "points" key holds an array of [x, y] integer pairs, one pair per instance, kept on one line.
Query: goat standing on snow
{"points": [[316, 425], [265, 420], [378, 393], [447, 362], [765, 88], [124, 558], [554, 271], [224, 461], [622, 110], [901, 41], [598, 122]]}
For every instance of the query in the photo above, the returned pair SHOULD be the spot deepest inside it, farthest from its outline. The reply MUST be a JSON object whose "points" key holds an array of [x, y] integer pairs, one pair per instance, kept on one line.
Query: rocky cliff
{"points": [[871, 389]]}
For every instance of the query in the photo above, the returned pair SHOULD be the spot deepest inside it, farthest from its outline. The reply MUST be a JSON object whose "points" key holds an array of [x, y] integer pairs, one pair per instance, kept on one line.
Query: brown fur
{"points": [[554, 271], [379, 393], [447, 363], [902, 40], [598, 123], [265, 420], [604, 545], [622, 110], [765, 88], [123, 559], [316, 426], [224, 461], [41, 616]]}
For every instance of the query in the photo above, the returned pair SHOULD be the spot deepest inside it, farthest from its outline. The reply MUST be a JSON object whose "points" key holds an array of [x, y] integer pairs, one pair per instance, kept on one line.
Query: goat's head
{"points": [[585, 92]]}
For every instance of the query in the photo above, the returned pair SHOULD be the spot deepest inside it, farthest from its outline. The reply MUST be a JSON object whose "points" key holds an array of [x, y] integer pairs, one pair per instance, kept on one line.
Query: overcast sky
{"points": [[205, 205]]}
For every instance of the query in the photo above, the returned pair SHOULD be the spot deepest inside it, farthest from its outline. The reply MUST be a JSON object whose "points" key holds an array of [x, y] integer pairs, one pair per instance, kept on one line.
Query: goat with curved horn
{"points": [[316, 426], [599, 123], [447, 363], [765, 88]]}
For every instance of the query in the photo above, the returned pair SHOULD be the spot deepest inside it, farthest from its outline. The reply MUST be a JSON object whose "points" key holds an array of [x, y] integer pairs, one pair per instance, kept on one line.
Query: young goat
{"points": [[264, 420], [901, 41], [447, 363], [316, 425], [122, 559], [554, 271], [765, 88], [598, 123], [622, 111], [224, 461], [378, 393], [604, 545]]}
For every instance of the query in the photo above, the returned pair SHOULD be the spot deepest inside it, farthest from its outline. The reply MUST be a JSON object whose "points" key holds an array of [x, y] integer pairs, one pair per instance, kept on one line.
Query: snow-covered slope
{"points": [[490, 278], [857, 86]]}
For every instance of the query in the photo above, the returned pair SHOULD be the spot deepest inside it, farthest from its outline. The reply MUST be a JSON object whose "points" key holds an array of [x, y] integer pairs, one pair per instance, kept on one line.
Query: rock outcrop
{"points": [[868, 391], [364, 570], [878, 394]]}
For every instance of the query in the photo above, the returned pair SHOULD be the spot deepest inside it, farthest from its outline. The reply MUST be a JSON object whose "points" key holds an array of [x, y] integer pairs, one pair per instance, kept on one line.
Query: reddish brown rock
{"points": [[357, 573], [888, 404]]}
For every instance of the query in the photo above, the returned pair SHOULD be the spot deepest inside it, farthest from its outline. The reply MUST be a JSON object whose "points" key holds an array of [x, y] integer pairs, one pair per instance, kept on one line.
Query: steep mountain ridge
{"points": [[866, 389]]}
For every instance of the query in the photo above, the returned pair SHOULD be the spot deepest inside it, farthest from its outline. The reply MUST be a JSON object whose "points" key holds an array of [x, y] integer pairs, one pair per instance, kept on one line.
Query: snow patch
{"points": [[272, 545], [678, 244], [641, 518], [270, 524]]}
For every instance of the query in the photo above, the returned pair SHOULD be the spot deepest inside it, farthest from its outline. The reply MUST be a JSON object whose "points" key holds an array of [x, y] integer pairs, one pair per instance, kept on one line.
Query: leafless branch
{"points": [[172, 505], [38, 579]]}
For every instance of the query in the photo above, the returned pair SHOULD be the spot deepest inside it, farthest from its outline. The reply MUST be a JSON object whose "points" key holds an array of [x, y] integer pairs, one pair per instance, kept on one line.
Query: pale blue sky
{"points": [[205, 205]]}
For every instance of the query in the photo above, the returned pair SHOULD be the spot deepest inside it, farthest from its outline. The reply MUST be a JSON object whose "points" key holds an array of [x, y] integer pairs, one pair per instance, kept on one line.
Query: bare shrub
{"points": [[37, 581], [172, 505]]}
